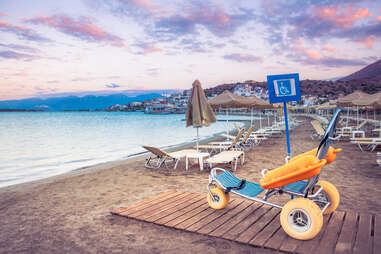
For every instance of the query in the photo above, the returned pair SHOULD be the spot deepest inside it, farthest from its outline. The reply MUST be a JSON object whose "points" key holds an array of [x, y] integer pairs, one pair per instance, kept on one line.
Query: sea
{"points": [[36, 145]]}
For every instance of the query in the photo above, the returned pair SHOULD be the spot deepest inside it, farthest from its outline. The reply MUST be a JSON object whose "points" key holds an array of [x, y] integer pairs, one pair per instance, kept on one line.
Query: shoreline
{"points": [[125, 159]]}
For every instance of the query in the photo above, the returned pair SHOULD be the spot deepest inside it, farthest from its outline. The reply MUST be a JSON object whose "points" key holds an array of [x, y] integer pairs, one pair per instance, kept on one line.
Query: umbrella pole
{"points": [[251, 118], [357, 115], [197, 140], [260, 120], [227, 122], [346, 123]]}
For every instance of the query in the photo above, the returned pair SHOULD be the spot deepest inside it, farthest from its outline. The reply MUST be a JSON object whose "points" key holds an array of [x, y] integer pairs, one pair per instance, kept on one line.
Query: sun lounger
{"points": [[220, 146], [369, 145], [319, 131], [227, 157], [159, 157], [379, 159]]}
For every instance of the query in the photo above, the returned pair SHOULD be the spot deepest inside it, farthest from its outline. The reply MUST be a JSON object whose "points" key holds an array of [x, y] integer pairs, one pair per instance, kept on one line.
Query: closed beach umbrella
{"points": [[199, 112]]}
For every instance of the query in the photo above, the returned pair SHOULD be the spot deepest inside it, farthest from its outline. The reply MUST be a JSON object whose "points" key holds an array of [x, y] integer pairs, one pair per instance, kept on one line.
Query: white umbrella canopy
{"points": [[199, 113]]}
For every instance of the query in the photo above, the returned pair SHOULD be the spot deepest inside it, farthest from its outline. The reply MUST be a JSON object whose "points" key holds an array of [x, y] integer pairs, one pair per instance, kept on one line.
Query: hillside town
{"points": [[177, 103]]}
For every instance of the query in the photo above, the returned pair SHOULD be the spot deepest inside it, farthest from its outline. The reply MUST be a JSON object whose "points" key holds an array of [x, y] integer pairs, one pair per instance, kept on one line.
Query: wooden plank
{"points": [[267, 232], [237, 220], [329, 239], [348, 233], [192, 220], [142, 202], [182, 211], [308, 246], [377, 235], [234, 232], [363, 244], [134, 209], [153, 209], [216, 214], [187, 215], [225, 219], [276, 240], [260, 224], [182, 203]]}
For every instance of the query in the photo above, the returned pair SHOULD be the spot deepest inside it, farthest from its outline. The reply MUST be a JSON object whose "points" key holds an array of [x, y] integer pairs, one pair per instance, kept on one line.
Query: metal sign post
{"points": [[284, 88], [287, 132]]}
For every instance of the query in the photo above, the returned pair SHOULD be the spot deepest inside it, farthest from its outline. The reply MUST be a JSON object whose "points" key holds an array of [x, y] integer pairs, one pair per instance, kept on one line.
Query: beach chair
{"points": [[230, 157], [319, 131], [379, 159], [245, 141], [159, 157], [369, 145], [214, 147]]}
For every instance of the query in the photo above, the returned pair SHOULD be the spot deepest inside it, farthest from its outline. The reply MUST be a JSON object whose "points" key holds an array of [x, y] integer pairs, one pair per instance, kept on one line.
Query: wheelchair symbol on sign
{"points": [[283, 87], [283, 90]]}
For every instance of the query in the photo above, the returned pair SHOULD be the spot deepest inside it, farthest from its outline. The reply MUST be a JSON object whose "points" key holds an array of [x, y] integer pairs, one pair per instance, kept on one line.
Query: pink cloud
{"points": [[342, 17], [215, 17], [21, 31], [312, 54], [379, 18], [329, 48], [82, 28], [368, 41], [309, 53], [4, 15], [151, 49]]}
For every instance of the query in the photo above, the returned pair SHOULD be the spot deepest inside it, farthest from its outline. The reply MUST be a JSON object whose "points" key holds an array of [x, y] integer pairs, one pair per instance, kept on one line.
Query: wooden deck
{"points": [[255, 224]]}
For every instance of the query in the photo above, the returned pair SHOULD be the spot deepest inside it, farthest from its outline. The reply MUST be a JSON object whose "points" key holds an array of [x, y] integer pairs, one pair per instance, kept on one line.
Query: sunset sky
{"points": [[53, 47]]}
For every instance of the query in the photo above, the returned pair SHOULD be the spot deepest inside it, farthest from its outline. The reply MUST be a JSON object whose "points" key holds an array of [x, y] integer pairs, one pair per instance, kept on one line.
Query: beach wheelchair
{"points": [[302, 216]]}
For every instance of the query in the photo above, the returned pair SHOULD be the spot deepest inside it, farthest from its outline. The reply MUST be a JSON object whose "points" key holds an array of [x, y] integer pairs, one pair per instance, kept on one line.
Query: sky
{"points": [[55, 47]]}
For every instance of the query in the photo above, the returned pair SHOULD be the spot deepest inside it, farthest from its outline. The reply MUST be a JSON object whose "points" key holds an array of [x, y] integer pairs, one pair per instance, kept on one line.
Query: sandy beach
{"points": [[70, 213]]}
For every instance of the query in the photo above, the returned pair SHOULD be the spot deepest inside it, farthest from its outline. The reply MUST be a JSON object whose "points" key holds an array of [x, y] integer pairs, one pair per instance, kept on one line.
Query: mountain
{"points": [[367, 80], [372, 71], [75, 103]]}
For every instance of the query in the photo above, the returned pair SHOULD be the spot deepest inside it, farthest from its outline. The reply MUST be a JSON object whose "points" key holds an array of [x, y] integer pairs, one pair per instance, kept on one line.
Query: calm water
{"points": [[36, 145]]}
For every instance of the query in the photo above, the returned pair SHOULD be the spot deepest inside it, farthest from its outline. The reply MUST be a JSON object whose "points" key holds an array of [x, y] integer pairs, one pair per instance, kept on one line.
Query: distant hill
{"points": [[75, 103], [367, 80], [372, 71]]}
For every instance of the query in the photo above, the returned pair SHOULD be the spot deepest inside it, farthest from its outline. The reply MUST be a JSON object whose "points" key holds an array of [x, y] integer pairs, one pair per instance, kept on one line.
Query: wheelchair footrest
{"points": [[227, 179]]}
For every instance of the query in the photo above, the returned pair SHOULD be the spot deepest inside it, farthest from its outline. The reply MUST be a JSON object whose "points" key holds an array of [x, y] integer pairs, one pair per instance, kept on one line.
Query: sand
{"points": [[71, 213]]}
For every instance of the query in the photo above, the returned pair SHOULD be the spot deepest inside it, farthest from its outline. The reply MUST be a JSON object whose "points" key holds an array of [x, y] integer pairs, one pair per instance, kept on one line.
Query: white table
{"points": [[199, 156], [358, 134]]}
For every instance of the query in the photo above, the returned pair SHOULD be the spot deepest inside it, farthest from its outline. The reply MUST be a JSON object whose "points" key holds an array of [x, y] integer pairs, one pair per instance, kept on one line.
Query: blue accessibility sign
{"points": [[283, 88]]}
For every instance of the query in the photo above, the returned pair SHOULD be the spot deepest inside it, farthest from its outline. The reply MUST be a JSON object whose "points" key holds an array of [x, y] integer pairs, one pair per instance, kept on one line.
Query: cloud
{"points": [[288, 20], [22, 32], [329, 48], [168, 22], [339, 62], [4, 15], [112, 85], [83, 28], [147, 48], [241, 58], [20, 47], [339, 16], [368, 41], [207, 14], [8, 54]]}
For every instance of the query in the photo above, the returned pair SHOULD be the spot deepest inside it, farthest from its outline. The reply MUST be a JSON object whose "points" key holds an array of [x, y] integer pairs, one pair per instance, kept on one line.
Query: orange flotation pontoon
{"points": [[300, 167], [331, 154]]}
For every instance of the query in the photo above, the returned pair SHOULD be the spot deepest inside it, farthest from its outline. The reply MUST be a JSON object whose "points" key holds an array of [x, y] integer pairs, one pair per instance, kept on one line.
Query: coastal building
{"points": [[159, 108], [243, 90]]}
